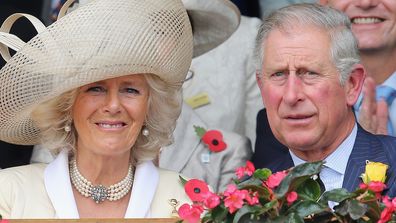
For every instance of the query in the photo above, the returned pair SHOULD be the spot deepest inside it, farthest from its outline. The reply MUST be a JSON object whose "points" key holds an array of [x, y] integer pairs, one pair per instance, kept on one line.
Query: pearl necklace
{"points": [[99, 193]]}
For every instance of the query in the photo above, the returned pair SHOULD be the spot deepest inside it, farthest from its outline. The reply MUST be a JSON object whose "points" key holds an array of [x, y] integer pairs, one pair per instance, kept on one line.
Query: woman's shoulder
{"points": [[169, 195], [23, 173]]}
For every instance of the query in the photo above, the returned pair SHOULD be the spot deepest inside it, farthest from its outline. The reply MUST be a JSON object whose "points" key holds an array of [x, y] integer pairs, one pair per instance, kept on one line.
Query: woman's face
{"points": [[108, 115]]}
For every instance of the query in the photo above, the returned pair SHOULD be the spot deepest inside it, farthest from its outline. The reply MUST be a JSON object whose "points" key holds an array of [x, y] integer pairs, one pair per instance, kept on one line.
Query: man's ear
{"points": [[323, 2], [354, 84], [259, 79]]}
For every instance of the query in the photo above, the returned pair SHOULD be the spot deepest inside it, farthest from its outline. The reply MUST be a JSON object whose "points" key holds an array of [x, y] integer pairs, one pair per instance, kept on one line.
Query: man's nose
{"points": [[365, 4], [293, 89]]}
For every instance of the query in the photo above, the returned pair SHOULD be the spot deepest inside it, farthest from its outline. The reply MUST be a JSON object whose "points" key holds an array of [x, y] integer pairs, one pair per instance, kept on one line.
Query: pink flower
{"points": [[240, 172], [233, 198], [4, 221], [363, 186], [291, 197], [386, 215], [376, 186], [212, 200], [246, 170], [275, 179], [195, 189], [251, 200], [191, 213]]}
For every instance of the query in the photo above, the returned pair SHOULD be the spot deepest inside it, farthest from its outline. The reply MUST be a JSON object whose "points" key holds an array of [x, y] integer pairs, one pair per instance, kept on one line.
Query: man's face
{"points": [[373, 22], [308, 109]]}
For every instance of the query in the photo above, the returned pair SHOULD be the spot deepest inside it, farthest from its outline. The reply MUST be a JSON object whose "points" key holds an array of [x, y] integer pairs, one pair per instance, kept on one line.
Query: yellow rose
{"points": [[375, 171]]}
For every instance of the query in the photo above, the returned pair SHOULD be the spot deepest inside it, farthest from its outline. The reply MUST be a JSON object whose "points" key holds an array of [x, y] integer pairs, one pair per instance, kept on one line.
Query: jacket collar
{"points": [[185, 142], [58, 185]]}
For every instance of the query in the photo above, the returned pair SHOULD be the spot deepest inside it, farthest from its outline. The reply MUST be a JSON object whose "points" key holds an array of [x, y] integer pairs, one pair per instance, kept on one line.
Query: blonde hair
{"points": [[164, 106]]}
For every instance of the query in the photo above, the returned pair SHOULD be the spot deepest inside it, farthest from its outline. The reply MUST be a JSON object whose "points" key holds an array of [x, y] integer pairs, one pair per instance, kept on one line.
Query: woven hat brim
{"points": [[213, 22]]}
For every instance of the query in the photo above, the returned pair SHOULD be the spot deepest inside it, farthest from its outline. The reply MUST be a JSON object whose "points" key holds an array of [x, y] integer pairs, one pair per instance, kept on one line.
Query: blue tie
{"points": [[383, 92], [388, 94]]}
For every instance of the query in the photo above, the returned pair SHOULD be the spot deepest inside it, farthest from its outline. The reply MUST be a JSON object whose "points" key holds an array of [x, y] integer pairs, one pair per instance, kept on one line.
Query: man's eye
{"points": [[278, 74]]}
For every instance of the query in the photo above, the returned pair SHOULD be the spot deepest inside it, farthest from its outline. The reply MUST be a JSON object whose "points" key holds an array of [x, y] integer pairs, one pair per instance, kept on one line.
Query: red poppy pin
{"points": [[212, 138]]}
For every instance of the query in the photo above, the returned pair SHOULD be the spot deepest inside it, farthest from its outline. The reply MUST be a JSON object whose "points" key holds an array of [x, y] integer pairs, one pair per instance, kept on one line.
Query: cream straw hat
{"points": [[99, 40], [213, 21]]}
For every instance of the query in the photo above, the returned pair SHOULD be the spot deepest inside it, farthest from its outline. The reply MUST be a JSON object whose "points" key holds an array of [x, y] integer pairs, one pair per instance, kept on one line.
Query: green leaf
{"points": [[200, 131], [337, 195], [249, 182], [182, 180], [268, 206], [294, 218], [219, 213], [262, 174], [263, 192], [305, 208], [245, 210], [297, 176], [309, 190], [356, 209]]}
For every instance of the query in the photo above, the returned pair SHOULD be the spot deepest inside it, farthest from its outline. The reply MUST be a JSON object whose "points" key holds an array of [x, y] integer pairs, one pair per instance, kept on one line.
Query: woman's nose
{"points": [[112, 103]]}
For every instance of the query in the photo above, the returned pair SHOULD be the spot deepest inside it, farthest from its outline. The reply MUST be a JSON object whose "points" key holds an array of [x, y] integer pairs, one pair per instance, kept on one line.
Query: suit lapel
{"points": [[367, 147], [177, 155], [284, 162]]}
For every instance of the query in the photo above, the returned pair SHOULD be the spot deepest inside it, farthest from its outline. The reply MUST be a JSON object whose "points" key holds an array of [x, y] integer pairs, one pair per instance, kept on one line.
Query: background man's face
{"points": [[373, 21], [307, 106]]}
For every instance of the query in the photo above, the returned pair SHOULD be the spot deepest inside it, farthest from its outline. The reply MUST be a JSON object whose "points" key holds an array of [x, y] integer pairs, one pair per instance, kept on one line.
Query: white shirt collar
{"points": [[59, 189]]}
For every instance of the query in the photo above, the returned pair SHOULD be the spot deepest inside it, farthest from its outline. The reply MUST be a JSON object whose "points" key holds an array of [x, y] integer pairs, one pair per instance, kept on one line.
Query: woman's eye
{"points": [[131, 91], [96, 89]]}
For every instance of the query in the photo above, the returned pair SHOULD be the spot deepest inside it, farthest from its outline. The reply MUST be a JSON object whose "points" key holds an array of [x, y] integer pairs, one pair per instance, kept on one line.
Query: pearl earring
{"points": [[145, 131], [67, 128]]}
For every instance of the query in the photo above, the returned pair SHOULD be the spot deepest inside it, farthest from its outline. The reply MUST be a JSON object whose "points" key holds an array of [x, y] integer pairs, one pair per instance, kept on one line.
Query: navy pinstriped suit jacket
{"points": [[271, 154]]}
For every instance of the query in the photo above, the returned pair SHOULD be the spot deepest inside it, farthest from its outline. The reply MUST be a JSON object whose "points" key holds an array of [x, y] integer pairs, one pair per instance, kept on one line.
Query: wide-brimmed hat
{"points": [[213, 21], [99, 40]]}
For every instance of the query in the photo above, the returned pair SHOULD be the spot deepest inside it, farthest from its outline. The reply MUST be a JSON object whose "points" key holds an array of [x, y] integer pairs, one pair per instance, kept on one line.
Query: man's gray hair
{"points": [[343, 47]]}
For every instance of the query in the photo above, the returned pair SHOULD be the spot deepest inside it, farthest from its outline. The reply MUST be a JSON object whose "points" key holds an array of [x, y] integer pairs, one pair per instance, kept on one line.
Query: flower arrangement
{"points": [[292, 195]]}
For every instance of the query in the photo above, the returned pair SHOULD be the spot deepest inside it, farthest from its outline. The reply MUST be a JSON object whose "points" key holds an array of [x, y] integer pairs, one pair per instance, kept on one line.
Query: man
{"points": [[310, 77], [374, 25]]}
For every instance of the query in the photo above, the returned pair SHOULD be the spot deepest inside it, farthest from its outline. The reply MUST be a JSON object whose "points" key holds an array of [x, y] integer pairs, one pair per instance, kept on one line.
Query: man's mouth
{"points": [[366, 20]]}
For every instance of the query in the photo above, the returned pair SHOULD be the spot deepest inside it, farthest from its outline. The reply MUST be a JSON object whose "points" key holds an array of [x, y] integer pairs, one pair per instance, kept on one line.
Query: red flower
{"points": [[248, 170], [196, 189], [291, 197], [275, 179], [191, 213], [214, 139]]}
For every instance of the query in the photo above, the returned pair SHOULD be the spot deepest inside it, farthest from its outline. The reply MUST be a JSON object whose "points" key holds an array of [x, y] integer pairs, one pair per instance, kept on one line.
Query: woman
{"points": [[101, 87]]}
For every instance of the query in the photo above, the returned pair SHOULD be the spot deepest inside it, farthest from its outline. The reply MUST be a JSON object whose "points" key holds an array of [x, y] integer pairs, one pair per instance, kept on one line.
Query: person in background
{"points": [[374, 25], [11, 154], [210, 104], [268, 6], [310, 76], [86, 89]]}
